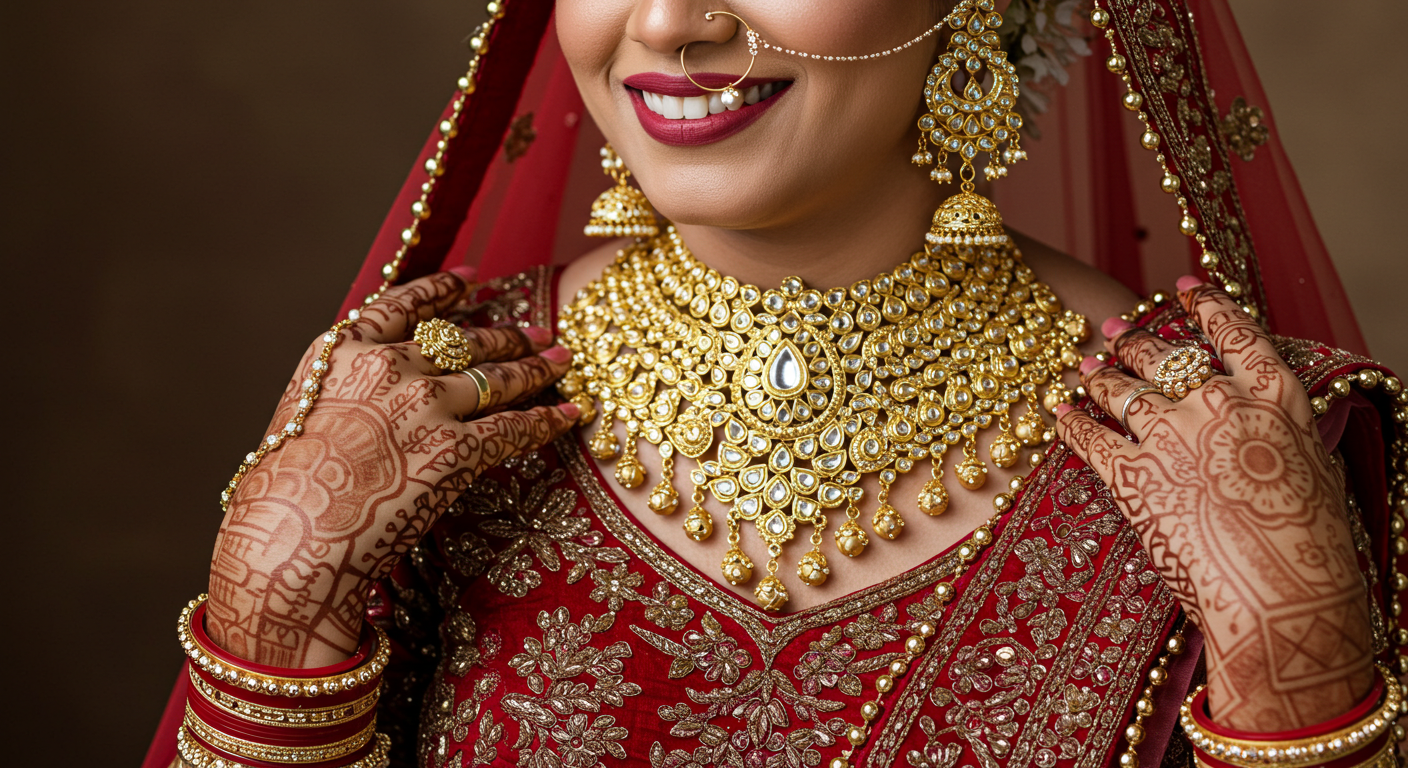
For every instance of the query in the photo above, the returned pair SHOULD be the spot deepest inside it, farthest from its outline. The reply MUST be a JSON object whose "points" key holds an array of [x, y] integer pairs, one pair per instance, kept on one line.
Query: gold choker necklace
{"points": [[795, 394]]}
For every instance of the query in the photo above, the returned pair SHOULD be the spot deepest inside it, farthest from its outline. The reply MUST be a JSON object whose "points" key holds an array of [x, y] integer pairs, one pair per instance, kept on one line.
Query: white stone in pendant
{"points": [[776, 525], [784, 375]]}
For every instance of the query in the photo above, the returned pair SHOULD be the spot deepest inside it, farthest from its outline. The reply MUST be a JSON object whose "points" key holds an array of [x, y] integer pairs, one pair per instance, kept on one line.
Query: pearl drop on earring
{"points": [[732, 99]]}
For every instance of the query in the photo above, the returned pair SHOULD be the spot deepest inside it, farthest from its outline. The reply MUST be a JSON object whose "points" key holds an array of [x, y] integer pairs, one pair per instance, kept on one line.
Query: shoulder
{"points": [[1082, 288]]}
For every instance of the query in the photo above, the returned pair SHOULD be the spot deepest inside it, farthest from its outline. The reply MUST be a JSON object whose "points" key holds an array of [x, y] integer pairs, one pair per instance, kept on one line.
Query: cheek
{"points": [[591, 33]]}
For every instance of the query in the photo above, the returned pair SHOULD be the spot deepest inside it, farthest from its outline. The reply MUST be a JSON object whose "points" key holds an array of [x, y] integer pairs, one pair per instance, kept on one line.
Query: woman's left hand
{"points": [[1243, 513]]}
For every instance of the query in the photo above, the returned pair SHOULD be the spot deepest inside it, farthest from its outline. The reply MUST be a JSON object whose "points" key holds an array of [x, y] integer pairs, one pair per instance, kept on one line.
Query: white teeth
{"points": [[672, 107], [696, 107]]}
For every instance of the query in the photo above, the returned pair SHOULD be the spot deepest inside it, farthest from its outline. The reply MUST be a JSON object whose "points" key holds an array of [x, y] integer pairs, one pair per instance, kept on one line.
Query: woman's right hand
{"points": [[390, 443]]}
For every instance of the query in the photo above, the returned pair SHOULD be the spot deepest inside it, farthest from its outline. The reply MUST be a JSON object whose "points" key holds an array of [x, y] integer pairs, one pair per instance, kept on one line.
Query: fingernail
{"points": [[570, 410], [558, 354], [538, 334], [1188, 283], [1115, 326], [1089, 364], [464, 271], [1065, 408]]}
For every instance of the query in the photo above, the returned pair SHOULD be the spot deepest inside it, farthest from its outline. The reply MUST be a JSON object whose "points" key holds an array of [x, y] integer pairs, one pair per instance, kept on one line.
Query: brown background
{"points": [[189, 188]]}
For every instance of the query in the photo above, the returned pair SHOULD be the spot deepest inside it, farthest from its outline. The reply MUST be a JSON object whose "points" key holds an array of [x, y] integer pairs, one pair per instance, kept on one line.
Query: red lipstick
{"points": [[704, 130]]}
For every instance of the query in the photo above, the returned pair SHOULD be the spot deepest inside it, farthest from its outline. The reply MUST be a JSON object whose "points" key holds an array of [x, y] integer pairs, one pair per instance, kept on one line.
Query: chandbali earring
{"points": [[729, 94], [623, 210]]}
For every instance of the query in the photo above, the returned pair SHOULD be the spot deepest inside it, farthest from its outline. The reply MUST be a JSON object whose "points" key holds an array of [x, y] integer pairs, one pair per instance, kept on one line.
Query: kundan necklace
{"points": [[788, 397]]}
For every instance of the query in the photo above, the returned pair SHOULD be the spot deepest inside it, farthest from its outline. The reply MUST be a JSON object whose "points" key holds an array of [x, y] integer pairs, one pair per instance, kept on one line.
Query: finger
{"points": [[506, 434], [1111, 388], [1138, 350], [1090, 440], [509, 383], [395, 313], [1237, 338], [506, 343]]}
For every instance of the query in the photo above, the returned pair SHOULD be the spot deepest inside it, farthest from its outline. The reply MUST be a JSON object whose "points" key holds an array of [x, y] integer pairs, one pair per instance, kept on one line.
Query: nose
{"points": [[665, 26]]}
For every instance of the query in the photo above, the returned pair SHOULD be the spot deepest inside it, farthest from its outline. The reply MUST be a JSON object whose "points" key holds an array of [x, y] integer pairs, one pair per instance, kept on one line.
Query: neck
{"points": [[868, 229]]}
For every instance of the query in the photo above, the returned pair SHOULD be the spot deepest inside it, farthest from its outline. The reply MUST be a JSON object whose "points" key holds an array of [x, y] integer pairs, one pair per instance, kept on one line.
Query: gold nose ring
{"points": [[729, 94]]}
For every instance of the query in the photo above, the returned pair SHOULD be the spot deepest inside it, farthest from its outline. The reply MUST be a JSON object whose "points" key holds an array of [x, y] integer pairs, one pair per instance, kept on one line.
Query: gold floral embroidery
{"points": [[555, 717], [1244, 129]]}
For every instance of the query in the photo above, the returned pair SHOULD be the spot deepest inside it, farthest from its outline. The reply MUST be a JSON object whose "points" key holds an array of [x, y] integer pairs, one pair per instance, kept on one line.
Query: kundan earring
{"points": [[623, 210]]}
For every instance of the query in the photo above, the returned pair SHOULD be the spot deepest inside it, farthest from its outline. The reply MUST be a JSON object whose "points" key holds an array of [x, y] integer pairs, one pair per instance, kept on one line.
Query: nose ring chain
{"points": [[729, 94]]}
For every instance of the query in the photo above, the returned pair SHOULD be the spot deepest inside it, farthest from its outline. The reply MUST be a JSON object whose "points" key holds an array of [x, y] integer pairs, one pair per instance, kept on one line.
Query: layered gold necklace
{"points": [[788, 397]]}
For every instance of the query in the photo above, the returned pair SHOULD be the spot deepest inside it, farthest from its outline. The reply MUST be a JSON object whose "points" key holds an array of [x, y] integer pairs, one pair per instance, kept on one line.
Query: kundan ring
{"points": [[481, 383], [1184, 370], [1128, 401], [444, 344], [729, 94]]}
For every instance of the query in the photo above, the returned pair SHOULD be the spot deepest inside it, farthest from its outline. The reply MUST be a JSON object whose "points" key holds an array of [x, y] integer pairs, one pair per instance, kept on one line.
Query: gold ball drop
{"points": [[813, 569], [630, 472], [1004, 451], [887, 522], [771, 593], [604, 446], [933, 499], [698, 525], [664, 499], [737, 568], [972, 474], [850, 539]]}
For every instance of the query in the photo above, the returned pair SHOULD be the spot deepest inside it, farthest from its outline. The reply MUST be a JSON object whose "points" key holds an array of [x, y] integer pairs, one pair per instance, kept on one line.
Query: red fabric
{"points": [[163, 747]]}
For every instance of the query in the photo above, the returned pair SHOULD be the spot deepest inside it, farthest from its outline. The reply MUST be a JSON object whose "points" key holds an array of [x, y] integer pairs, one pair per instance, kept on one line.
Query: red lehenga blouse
{"points": [[538, 625]]}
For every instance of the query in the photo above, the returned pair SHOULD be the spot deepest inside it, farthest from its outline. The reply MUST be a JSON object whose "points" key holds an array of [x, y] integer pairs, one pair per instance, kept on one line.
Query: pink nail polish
{"points": [[1188, 283], [570, 410], [464, 271], [1089, 364], [557, 354], [1115, 326], [1064, 408], [537, 334]]}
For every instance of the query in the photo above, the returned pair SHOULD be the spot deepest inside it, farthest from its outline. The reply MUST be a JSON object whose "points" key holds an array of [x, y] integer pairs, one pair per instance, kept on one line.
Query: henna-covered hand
{"points": [[1243, 512], [388, 446]]}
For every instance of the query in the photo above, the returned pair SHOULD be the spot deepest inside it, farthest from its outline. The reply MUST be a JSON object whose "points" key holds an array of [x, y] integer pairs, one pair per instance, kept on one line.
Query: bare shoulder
{"points": [[1080, 286], [586, 268]]}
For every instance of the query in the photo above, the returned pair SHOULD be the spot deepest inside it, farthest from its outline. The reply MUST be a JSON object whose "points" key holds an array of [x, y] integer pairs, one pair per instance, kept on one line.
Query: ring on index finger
{"points": [[1184, 370], [1128, 401], [444, 344]]}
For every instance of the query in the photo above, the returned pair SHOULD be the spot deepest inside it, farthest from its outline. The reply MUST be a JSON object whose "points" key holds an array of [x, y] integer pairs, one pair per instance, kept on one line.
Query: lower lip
{"points": [[705, 130]]}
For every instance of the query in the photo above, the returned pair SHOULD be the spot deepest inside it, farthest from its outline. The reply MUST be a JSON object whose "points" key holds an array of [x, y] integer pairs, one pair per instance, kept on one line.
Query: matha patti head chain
{"points": [[788, 397]]}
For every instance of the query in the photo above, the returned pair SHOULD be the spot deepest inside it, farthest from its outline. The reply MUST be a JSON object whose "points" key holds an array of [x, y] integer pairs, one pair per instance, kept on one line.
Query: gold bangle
{"points": [[197, 756], [273, 685], [1295, 753], [275, 754], [320, 717]]}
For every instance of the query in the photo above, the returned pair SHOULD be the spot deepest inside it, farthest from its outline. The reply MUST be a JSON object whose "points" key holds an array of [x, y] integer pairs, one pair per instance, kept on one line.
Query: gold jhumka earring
{"points": [[622, 210], [787, 398]]}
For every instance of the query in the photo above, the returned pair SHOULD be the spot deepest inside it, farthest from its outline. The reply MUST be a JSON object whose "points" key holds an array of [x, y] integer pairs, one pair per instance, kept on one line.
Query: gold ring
{"points": [[1184, 370], [730, 95], [1128, 401], [481, 382], [443, 344]]}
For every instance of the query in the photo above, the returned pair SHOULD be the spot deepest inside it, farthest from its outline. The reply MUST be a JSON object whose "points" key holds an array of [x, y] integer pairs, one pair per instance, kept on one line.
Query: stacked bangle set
{"points": [[242, 714]]}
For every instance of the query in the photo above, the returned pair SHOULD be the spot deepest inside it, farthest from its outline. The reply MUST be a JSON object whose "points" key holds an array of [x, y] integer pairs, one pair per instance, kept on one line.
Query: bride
{"points": [[816, 460]]}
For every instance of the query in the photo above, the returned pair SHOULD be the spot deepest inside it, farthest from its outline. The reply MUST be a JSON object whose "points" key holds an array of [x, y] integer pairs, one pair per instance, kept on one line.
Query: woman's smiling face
{"points": [[811, 135]]}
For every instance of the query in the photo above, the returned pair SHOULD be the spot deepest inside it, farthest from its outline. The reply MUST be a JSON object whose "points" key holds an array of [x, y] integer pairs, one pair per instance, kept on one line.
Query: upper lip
{"points": [[679, 85]]}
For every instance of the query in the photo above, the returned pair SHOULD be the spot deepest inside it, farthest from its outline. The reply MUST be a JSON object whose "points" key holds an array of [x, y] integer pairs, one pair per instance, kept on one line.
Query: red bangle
{"points": [[1361, 736], [239, 713]]}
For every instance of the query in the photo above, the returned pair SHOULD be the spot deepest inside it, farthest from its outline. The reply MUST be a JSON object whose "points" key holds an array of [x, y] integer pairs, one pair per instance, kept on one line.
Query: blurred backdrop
{"points": [[188, 189]]}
